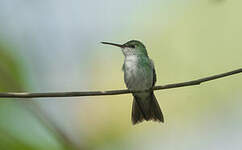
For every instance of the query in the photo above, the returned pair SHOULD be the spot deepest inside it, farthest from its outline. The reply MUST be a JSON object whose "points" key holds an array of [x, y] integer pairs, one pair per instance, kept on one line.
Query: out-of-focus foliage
{"points": [[10, 71], [19, 127]]}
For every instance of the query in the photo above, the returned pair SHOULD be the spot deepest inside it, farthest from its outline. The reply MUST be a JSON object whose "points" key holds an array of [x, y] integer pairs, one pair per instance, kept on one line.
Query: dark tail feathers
{"points": [[147, 109]]}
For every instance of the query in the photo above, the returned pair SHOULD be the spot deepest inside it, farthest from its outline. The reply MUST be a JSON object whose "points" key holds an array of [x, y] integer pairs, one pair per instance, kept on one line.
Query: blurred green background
{"points": [[53, 45]]}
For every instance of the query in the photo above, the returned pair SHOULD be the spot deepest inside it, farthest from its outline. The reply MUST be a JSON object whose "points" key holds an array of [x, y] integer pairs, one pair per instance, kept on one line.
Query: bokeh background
{"points": [[54, 45]]}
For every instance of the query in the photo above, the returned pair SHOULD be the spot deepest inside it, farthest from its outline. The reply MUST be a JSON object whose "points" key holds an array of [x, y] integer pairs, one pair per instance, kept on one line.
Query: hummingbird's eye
{"points": [[132, 46]]}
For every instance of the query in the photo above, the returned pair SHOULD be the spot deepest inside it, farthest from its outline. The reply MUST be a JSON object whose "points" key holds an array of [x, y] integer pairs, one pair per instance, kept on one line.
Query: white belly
{"points": [[137, 77]]}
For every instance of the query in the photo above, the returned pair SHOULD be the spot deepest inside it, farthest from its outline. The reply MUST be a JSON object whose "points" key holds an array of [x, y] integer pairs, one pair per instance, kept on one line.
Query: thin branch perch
{"points": [[116, 92]]}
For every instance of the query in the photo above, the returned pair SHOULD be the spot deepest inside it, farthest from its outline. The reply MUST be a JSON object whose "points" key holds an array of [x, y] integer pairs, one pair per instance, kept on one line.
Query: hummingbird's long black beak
{"points": [[114, 44]]}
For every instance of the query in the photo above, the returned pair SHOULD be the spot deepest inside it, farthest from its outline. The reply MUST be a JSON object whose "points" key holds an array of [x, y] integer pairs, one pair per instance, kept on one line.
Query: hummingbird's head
{"points": [[132, 47]]}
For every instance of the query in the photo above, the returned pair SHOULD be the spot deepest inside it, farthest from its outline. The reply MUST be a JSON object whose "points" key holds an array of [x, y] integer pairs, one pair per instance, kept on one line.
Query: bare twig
{"points": [[116, 92]]}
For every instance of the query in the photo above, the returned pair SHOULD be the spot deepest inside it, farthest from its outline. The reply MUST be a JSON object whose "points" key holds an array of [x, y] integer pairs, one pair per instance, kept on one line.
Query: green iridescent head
{"points": [[132, 47]]}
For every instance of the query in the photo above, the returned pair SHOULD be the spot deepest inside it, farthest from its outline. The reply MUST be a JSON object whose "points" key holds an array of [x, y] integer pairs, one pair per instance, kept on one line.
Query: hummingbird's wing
{"points": [[154, 73], [154, 77]]}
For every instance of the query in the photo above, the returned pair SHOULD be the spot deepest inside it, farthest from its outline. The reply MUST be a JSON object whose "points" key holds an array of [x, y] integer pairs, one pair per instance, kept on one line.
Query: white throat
{"points": [[130, 62]]}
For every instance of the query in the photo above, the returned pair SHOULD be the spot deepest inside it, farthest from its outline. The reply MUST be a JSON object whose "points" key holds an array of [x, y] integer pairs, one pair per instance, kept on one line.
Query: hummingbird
{"points": [[140, 75]]}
